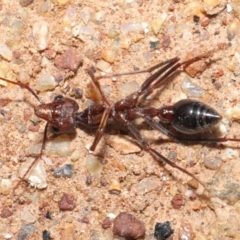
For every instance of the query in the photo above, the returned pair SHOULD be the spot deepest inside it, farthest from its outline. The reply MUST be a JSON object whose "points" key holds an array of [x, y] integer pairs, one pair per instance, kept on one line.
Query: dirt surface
{"points": [[75, 194]]}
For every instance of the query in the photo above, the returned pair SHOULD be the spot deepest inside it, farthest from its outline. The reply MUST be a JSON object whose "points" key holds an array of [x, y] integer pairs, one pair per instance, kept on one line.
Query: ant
{"points": [[187, 116]]}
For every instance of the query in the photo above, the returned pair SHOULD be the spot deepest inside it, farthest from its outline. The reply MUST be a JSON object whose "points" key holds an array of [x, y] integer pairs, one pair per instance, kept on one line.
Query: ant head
{"points": [[60, 113]]}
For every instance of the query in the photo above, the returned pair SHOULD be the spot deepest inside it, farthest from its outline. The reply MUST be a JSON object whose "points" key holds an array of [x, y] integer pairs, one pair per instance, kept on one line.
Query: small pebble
{"points": [[60, 146], [61, 3], [70, 59], [48, 215], [77, 93], [69, 19], [194, 8], [233, 29], [50, 53], [21, 127], [185, 232], [191, 89], [98, 17], [113, 33], [166, 41], [65, 171], [33, 128], [25, 3], [103, 65], [114, 187], [128, 88], [126, 225], [23, 76], [233, 113], [230, 153], [108, 55], [85, 220], [178, 201], [196, 68], [157, 23], [37, 175], [5, 186], [46, 235], [229, 7], [4, 102], [44, 7], [89, 180], [235, 4], [94, 166], [214, 6], [213, 163], [154, 44], [40, 35], [193, 184], [67, 202], [163, 231], [6, 212], [68, 232], [131, 27], [27, 216], [46, 82], [123, 144], [25, 231], [125, 42], [205, 21], [218, 73], [196, 19], [75, 156], [5, 52], [106, 223], [85, 15], [86, 30], [27, 112]]}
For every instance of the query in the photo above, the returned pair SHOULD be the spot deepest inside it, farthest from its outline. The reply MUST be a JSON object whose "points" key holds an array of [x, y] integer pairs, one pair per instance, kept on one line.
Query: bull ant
{"points": [[186, 116]]}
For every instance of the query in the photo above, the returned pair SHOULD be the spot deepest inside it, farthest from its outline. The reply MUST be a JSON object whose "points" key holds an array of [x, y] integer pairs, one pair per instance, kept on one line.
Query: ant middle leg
{"points": [[105, 116]]}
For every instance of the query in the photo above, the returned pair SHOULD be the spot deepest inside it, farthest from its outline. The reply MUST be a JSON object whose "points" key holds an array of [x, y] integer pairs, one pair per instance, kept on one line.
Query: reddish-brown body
{"points": [[187, 116]]}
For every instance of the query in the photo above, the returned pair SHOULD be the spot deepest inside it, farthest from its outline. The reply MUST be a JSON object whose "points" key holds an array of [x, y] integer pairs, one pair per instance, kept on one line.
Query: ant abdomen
{"points": [[190, 116]]}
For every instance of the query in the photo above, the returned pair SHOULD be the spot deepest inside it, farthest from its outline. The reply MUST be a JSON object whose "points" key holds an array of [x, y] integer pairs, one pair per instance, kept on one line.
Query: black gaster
{"points": [[191, 116]]}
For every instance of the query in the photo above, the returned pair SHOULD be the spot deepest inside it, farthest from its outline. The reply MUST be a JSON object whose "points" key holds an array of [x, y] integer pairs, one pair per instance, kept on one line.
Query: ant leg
{"points": [[105, 115], [134, 131], [36, 159], [101, 128], [151, 122], [148, 70], [153, 77], [23, 86], [146, 88]]}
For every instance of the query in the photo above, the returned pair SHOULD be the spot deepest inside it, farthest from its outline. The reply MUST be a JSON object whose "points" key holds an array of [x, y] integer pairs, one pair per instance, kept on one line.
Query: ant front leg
{"points": [[36, 159], [23, 86]]}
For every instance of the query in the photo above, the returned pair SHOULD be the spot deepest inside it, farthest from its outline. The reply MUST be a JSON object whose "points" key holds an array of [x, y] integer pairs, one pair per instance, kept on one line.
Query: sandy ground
{"points": [[116, 36]]}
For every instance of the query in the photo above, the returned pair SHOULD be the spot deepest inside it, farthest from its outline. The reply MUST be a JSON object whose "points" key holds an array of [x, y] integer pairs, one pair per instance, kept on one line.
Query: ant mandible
{"points": [[186, 116]]}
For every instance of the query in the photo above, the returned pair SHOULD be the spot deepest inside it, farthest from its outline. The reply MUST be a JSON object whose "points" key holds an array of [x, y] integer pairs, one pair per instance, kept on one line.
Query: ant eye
{"points": [[58, 98], [55, 130]]}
